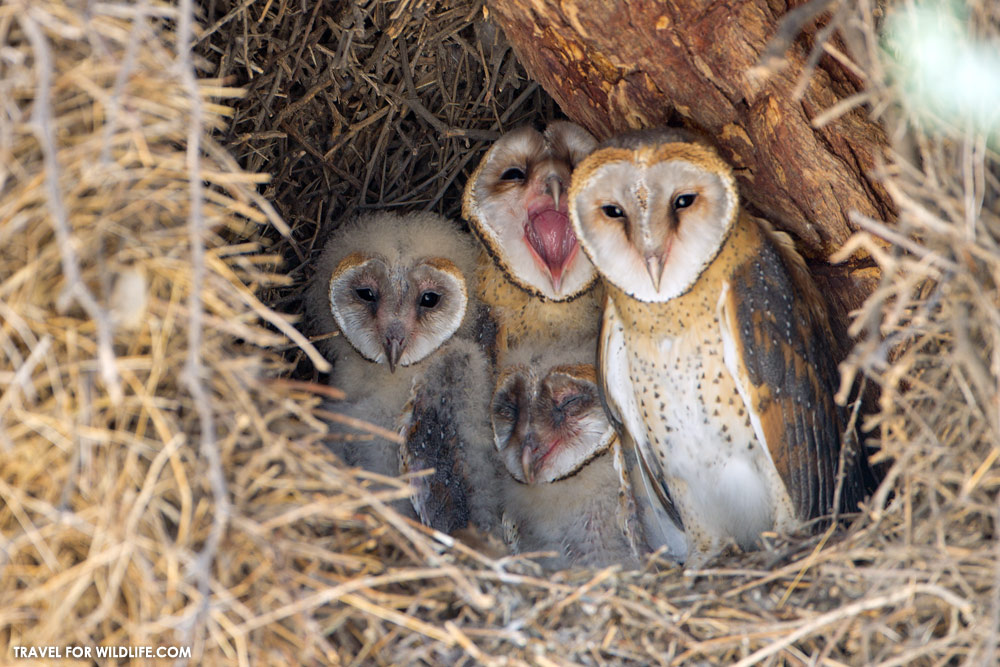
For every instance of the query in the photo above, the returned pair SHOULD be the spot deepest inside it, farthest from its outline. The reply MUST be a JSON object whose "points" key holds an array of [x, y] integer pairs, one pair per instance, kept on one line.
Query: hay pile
{"points": [[357, 106], [164, 483]]}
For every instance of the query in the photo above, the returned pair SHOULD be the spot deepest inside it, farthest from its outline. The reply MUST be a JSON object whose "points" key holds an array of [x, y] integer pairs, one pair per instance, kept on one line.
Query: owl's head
{"points": [[652, 209], [516, 203], [547, 425], [394, 285]]}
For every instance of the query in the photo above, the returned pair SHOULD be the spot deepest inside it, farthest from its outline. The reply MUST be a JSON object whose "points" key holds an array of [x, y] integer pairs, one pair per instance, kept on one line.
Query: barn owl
{"points": [[531, 272], [715, 355], [394, 287], [564, 491]]}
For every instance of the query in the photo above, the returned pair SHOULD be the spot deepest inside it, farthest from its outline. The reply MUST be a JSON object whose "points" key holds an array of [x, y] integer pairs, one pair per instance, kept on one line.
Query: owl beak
{"points": [[393, 351], [528, 462], [553, 185], [654, 266], [548, 232], [557, 281], [394, 343]]}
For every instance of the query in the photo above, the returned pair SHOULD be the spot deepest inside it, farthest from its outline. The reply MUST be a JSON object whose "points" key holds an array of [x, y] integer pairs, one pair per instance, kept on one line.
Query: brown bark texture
{"points": [[615, 65]]}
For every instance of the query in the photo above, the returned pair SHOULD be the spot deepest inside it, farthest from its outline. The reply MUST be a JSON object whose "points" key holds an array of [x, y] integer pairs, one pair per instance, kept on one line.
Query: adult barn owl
{"points": [[715, 352]]}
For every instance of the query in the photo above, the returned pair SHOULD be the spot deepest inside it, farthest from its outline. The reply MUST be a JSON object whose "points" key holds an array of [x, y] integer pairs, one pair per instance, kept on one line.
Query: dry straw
{"points": [[164, 483]]}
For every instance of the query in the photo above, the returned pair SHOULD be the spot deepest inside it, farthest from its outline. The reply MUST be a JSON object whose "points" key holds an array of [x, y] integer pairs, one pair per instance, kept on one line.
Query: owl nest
{"points": [[163, 473]]}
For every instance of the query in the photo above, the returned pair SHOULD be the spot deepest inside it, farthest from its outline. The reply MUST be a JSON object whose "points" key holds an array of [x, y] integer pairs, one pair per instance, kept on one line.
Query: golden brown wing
{"points": [[783, 357]]}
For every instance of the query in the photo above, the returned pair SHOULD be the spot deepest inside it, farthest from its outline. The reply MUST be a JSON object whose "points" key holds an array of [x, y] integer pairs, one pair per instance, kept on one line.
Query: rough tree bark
{"points": [[613, 65]]}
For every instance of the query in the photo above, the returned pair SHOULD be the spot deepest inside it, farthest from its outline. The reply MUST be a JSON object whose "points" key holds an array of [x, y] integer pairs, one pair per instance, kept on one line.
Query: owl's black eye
{"points": [[613, 211], [429, 299], [683, 201], [512, 174], [366, 294]]}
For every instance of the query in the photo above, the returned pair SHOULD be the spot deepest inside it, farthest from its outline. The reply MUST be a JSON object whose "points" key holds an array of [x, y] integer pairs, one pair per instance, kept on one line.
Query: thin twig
{"points": [[361, 425], [193, 372], [114, 104], [313, 387], [850, 611], [44, 127], [791, 25]]}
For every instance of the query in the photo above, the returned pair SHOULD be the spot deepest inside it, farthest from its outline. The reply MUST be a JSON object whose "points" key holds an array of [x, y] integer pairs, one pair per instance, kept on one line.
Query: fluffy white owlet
{"points": [[531, 272], [394, 287], [716, 353], [563, 492]]}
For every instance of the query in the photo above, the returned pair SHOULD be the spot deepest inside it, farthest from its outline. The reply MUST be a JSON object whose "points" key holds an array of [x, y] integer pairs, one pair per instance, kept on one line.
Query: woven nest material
{"points": [[168, 172]]}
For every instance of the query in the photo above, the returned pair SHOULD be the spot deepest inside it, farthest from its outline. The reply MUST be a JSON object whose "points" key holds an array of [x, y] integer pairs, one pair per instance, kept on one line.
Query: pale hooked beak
{"points": [[654, 266], [553, 186], [556, 282]]}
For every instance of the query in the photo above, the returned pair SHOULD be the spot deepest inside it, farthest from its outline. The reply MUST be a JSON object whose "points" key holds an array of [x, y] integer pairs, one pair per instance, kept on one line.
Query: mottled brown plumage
{"points": [[446, 432], [524, 318]]}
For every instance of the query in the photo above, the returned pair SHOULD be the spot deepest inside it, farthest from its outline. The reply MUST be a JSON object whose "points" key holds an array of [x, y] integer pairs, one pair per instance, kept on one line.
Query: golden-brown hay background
{"points": [[163, 479]]}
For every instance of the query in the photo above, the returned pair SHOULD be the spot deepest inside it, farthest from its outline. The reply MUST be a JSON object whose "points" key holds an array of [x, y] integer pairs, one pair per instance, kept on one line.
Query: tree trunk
{"points": [[614, 65]]}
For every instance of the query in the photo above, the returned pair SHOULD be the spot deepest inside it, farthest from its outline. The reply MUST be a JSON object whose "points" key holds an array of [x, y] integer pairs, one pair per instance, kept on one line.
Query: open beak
{"points": [[556, 279], [553, 186], [548, 231]]}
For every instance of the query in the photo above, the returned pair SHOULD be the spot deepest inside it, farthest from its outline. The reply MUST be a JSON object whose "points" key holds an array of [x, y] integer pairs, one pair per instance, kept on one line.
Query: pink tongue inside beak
{"points": [[551, 239]]}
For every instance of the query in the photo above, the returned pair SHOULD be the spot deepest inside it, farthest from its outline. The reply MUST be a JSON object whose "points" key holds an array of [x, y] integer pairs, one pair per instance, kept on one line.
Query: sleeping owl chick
{"points": [[394, 286], [716, 351], [531, 272], [563, 490]]}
